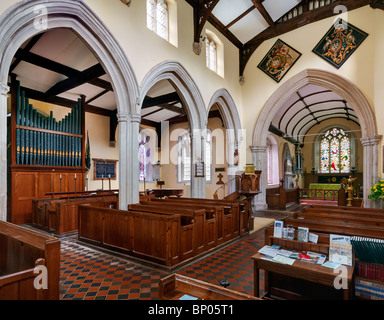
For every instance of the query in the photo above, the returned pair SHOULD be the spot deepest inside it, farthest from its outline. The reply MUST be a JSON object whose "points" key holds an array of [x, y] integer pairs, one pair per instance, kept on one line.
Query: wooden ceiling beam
{"points": [[240, 17], [264, 12], [63, 102], [27, 48], [228, 34], [201, 13], [307, 17], [39, 61], [172, 97], [82, 78], [377, 4]]}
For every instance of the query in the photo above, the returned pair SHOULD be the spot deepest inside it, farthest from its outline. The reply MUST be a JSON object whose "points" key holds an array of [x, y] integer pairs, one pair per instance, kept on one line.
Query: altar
{"points": [[324, 186]]}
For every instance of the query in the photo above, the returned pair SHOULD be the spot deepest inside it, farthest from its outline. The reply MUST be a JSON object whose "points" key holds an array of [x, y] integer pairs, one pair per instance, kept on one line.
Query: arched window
{"points": [[184, 157], [157, 17], [335, 152], [208, 156], [142, 158]]}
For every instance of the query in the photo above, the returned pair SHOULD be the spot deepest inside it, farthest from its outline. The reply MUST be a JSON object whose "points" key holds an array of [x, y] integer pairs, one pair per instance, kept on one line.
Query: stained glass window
{"points": [[142, 160], [335, 152]]}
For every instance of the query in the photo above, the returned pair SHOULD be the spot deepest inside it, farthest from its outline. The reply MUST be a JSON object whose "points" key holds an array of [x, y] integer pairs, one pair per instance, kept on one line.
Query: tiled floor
{"points": [[88, 274]]}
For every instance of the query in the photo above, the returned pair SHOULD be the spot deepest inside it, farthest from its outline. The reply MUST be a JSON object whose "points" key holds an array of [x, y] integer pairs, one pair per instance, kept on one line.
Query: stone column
{"points": [[232, 168], [259, 160], [123, 161], [133, 159], [4, 89], [371, 147]]}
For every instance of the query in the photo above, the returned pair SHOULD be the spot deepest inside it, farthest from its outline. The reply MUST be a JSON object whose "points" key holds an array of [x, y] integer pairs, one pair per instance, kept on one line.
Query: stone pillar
{"points": [[4, 89], [371, 147], [259, 160], [232, 167], [133, 158], [123, 161]]}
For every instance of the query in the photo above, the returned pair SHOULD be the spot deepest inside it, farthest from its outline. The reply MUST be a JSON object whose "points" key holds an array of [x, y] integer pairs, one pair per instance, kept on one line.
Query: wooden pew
{"points": [[60, 216], [214, 235], [222, 211], [194, 225], [21, 250], [352, 229], [342, 218], [363, 212], [281, 198], [174, 286], [149, 237], [239, 210]]}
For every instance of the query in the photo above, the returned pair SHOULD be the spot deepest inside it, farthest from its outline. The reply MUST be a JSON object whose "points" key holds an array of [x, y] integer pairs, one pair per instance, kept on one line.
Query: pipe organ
{"points": [[47, 155], [45, 141]]}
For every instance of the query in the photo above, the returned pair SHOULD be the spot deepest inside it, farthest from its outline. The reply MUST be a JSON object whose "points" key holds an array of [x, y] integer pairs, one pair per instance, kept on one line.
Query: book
{"points": [[302, 234], [278, 229], [188, 297], [340, 249]]}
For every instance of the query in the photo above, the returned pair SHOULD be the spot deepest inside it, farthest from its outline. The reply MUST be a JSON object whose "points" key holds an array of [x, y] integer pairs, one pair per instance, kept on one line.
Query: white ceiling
{"points": [[246, 28], [65, 47]]}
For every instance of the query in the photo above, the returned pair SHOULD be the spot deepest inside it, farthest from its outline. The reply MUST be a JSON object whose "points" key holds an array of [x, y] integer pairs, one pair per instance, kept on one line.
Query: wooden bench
{"points": [[193, 236], [223, 212], [281, 198], [363, 212], [60, 216], [239, 210], [342, 218], [214, 211], [149, 237], [21, 250], [175, 286], [346, 228]]}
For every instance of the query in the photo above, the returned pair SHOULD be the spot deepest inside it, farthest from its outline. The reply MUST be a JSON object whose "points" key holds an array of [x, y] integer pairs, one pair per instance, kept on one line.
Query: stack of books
{"points": [[369, 253]]}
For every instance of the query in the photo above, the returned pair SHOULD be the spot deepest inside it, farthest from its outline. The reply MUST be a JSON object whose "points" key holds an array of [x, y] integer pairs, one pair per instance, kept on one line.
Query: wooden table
{"points": [[300, 270]]}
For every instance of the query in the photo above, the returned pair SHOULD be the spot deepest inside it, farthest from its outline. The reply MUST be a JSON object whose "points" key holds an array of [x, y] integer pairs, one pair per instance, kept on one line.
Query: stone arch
{"points": [[18, 24], [349, 92], [232, 124], [189, 93]]}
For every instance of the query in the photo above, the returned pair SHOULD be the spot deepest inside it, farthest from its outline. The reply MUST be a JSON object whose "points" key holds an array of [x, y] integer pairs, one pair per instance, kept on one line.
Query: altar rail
{"points": [[319, 194]]}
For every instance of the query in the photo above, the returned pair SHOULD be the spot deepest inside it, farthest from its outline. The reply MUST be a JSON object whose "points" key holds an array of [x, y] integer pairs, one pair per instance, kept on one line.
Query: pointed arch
{"points": [[349, 92], [18, 24], [194, 105]]}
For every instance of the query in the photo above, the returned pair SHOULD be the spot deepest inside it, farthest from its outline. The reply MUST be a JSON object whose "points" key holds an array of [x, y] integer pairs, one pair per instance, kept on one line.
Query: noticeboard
{"points": [[104, 169]]}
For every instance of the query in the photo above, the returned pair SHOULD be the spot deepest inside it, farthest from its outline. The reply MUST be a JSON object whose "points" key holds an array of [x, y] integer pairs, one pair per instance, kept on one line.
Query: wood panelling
{"points": [[34, 182]]}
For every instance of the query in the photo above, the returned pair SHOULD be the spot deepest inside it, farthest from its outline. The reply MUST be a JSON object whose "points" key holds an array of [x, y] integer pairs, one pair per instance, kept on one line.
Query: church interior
{"points": [[191, 149]]}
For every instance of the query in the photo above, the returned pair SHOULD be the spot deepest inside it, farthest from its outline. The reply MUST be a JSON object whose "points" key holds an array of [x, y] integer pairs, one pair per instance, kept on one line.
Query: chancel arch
{"points": [[27, 19], [340, 86]]}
